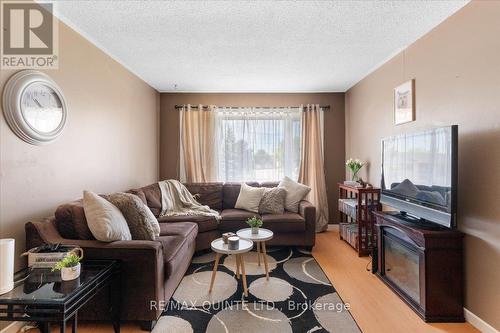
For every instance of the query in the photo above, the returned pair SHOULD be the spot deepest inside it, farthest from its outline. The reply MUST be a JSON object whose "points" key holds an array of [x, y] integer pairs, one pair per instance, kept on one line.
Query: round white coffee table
{"points": [[218, 246], [259, 238]]}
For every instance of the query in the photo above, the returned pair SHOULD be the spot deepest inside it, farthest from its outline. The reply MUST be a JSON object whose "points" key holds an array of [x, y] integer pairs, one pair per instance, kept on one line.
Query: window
{"points": [[258, 144]]}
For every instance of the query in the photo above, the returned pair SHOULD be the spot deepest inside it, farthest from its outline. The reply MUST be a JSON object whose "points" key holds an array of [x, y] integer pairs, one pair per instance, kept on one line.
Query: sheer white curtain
{"points": [[258, 144]]}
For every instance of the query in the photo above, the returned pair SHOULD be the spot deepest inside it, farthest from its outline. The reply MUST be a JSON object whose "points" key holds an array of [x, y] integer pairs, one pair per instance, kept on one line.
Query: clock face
{"points": [[41, 107]]}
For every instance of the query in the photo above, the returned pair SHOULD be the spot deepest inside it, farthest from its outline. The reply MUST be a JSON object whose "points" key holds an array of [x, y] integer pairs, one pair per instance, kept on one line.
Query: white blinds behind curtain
{"points": [[258, 144]]}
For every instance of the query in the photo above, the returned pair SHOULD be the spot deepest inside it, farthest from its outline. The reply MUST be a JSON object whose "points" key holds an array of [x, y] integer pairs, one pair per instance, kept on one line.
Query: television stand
{"points": [[424, 267]]}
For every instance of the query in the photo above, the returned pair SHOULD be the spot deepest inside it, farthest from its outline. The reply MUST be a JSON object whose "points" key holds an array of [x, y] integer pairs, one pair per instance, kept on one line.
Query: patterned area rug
{"points": [[297, 297]]}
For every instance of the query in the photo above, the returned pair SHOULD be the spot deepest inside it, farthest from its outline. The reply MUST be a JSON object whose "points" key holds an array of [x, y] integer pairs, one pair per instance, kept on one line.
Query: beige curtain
{"points": [[312, 171], [197, 148]]}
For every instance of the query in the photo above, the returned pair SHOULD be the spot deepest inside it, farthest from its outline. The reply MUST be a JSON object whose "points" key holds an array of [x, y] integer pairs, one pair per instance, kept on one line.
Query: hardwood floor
{"points": [[375, 308]]}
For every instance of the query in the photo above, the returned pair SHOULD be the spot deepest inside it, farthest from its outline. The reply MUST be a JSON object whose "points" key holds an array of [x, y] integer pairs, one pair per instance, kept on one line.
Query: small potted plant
{"points": [[255, 223], [69, 266], [354, 165]]}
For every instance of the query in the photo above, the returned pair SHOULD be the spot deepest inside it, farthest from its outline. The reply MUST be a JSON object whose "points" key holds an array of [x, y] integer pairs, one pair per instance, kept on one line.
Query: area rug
{"points": [[298, 297]]}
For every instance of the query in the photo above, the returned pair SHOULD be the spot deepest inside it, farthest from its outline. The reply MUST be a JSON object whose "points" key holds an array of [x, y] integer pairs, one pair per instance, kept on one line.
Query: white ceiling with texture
{"points": [[253, 46]]}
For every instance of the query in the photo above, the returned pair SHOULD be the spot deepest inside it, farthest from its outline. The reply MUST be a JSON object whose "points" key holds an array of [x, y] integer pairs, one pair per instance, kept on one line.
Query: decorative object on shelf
{"points": [[255, 223], [356, 221], [233, 242], [69, 266], [7, 246], [226, 235], [404, 102], [351, 183], [354, 165], [361, 182], [34, 107], [47, 255]]}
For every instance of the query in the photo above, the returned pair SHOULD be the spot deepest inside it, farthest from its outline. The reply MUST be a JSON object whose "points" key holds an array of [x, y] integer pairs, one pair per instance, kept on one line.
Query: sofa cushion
{"points": [[237, 215], [283, 223], [70, 221], [173, 252], [152, 193], [235, 219], [286, 222], [205, 223], [269, 184], [176, 244], [209, 194], [140, 194], [232, 225], [184, 229], [230, 192]]}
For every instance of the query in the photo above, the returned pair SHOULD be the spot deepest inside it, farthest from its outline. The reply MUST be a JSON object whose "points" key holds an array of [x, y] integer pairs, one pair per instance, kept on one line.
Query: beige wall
{"points": [[457, 72], [334, 128], [110, 142]]}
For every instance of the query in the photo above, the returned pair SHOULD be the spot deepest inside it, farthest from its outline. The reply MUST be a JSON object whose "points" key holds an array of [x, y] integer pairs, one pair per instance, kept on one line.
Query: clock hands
{"points": [[37, 102]]}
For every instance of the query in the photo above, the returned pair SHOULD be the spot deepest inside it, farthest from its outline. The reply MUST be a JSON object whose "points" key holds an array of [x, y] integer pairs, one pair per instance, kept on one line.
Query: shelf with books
{"points": [[356, 221]]}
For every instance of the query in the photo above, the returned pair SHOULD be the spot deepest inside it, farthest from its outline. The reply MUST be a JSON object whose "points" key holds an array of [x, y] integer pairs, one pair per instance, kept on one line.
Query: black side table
{"points": [[40, 295]]}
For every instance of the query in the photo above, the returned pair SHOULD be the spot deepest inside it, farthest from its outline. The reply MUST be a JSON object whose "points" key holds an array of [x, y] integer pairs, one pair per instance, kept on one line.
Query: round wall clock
{"points": [[34, 107]]}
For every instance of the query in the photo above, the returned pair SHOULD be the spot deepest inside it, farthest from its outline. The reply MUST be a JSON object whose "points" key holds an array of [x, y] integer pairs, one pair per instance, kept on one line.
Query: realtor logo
{"points": [[29, 35]]}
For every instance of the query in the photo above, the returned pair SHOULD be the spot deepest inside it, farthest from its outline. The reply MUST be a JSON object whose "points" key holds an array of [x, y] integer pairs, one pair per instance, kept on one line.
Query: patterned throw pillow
{"points": [[142, 223], [273, 201]]}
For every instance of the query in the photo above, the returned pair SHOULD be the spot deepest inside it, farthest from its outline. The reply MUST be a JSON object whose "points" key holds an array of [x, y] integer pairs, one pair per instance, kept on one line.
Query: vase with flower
{"points": [[354, 166]]}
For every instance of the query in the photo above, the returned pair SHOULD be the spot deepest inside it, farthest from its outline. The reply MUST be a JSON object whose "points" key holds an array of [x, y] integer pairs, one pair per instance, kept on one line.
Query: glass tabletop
{"points": [[41, 285]]}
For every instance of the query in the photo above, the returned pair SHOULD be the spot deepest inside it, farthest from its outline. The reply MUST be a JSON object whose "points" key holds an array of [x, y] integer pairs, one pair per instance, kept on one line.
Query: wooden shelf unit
{"points": [[360, 221]]}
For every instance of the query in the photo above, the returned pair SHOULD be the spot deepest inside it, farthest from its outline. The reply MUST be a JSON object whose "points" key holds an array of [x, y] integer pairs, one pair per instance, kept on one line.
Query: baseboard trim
{"points": [[333, 227], [478, 323], [13, 327]]}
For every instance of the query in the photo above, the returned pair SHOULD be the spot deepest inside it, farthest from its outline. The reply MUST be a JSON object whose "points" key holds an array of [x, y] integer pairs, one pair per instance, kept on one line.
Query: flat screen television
{"points": [[419, 175]]}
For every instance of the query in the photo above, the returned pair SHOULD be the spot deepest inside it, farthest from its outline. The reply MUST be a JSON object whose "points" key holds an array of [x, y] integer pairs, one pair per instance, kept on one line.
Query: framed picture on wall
{"points": [[404, 102]]}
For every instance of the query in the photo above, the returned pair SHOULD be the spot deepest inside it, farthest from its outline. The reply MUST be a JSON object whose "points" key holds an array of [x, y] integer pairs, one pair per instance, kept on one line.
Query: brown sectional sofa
{"points": [[151, 270], [294, 229]]}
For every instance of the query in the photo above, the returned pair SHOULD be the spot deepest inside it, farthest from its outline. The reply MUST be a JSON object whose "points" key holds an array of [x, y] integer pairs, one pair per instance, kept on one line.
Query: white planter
{"points": [[70, 273], [255, 230], [6, 265]]}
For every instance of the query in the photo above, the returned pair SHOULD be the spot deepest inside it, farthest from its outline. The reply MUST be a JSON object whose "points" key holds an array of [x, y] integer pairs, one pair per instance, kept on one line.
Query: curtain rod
{"points": [[180, 106]]}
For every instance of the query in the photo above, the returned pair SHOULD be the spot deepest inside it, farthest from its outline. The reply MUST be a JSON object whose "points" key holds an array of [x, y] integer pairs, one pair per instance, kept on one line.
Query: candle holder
{"points": [[233, 242], [226, 235]]}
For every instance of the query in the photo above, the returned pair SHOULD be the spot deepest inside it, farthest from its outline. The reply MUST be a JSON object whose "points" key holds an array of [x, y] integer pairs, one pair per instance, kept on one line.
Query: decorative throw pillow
{"points": [[105, 221], [71, 222], [273, 201], [295, 192], [249, 198], [142, 223]]}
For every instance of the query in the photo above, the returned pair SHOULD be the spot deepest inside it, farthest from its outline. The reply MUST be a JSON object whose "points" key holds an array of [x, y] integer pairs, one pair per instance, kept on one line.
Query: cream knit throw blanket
{"points": [[176, 200]]}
